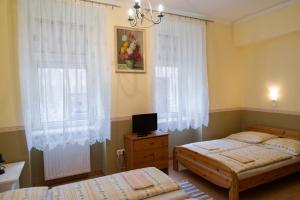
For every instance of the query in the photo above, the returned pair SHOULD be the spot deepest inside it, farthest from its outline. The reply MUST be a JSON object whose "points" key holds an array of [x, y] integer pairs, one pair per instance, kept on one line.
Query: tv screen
{"points": [[144, 123]]}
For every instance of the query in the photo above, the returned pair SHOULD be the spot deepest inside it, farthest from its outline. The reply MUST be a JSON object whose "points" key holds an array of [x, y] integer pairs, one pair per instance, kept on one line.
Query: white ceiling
{"points": [[221, 10]]}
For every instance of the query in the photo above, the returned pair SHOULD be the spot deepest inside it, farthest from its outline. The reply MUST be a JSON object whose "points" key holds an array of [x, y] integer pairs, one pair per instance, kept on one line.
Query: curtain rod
{"points": [[168, 13], [101, 3], [196, 18]]}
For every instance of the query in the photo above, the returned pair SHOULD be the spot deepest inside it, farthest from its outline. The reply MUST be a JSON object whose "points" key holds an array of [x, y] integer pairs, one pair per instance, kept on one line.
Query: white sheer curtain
{"points": [[64, 72], [180, 82]]}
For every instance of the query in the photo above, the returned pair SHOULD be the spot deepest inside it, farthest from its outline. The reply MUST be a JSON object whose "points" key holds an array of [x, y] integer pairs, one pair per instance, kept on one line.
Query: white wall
{"points": [[131, 93]]}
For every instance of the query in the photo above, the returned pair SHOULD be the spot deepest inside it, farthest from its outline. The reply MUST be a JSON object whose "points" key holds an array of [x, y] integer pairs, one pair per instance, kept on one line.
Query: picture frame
{"points": [[130, 50]]}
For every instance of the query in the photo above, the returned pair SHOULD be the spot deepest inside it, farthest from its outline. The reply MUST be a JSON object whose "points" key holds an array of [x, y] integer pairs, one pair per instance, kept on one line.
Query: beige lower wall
{"points": [[13, 145], [13, 148], [279, 120], [222, 124], [37, 163]]}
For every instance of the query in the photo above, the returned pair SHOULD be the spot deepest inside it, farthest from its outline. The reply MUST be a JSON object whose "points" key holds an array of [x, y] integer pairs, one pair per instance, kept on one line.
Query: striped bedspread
{"points": [[257, 155], [112, 187], [34, 193], [115, 187]]}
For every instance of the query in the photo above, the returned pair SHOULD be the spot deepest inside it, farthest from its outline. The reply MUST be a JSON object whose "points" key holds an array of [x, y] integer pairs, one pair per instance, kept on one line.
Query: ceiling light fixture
{"points": [[137, 15]]}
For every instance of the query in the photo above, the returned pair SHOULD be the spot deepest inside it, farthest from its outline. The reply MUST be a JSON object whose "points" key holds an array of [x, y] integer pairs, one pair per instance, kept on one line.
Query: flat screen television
{"points": [[143, 124]]}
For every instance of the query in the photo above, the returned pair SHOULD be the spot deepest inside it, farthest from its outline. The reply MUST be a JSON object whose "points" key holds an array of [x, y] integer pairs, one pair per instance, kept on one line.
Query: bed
{"points": [[216, 167], [146, 183]]}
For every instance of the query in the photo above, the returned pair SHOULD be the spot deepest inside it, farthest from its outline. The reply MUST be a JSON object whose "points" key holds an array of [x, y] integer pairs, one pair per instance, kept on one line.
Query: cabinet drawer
{"points": [[150, 143], [161, 154], [143, 157]]}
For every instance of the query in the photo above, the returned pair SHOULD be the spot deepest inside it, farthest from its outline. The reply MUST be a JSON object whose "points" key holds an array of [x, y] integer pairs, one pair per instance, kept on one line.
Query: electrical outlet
{"points": [[120, 152]]}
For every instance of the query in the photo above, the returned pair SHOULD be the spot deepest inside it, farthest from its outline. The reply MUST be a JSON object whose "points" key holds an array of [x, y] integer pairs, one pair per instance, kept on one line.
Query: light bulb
{"points": [[274, 94], [160, 8], [137, 1], [130, 12]]}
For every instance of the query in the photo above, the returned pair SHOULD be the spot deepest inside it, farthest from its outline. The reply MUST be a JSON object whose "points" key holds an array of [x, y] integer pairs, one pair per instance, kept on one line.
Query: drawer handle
{"points": [[151, 143]]}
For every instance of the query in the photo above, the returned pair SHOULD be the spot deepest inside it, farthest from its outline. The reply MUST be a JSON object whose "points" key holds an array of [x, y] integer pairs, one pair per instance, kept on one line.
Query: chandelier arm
{"points": [[141, 15], [137, 13], [133, 22], [157, 21]]}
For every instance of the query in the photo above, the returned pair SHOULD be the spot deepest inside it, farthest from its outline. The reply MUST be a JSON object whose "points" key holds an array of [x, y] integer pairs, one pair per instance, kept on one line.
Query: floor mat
{"points": [[193, 191]]}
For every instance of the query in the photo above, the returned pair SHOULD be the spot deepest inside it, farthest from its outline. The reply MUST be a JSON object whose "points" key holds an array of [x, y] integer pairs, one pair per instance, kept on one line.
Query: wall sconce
{"points": [[274, 93]]}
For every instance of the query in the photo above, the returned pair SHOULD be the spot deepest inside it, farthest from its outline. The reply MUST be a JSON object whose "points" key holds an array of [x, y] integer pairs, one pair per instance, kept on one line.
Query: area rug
{"points": [[193, 191]]}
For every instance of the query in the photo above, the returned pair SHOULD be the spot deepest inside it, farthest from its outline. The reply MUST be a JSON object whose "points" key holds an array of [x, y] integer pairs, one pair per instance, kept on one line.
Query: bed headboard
{"points": [[276, 131]]}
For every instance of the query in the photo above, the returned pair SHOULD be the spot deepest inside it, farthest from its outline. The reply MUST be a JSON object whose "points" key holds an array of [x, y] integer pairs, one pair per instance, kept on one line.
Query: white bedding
{"points": [[220, 144], [261, 157]]}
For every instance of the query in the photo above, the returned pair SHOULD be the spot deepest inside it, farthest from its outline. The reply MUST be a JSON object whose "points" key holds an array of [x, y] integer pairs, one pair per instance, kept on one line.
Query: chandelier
{"points": [[137, 15]]}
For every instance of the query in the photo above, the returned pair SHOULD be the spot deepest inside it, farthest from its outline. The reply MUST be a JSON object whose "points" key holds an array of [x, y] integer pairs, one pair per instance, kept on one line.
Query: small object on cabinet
{"points": [[2, 167]]}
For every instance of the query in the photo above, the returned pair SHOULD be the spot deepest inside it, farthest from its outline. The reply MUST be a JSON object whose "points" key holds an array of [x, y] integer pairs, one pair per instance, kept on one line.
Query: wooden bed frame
{"points": [[221, 175]]}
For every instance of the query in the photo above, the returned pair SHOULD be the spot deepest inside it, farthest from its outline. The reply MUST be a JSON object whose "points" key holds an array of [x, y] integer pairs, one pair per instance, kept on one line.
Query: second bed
{"points": [[244, 160]]}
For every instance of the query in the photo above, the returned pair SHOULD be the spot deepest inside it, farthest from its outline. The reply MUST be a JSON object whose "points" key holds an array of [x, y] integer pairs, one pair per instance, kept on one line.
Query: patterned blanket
{"points": [[34, 193], [112, 187]]}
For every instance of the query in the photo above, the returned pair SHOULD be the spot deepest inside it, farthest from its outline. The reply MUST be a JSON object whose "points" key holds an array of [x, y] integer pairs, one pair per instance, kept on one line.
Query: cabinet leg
{"points": [[175, 161]]}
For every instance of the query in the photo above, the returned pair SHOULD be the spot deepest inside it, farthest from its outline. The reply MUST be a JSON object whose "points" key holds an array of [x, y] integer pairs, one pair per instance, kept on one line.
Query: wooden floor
{"points": [[287, 188]]}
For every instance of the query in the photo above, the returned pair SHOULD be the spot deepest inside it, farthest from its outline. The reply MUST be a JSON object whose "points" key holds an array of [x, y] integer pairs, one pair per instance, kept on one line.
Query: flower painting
{"points": [[130, 50]]}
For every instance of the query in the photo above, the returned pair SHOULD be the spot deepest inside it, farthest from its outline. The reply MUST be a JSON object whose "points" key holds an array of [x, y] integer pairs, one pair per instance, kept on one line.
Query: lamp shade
{"points": [[1, 159]]}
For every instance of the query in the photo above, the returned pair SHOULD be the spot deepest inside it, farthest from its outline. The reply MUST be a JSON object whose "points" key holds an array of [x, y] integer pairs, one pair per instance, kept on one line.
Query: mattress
{"points": [[175, 195], [113, 187], [42, 193], [261, 170], [255, 171]]}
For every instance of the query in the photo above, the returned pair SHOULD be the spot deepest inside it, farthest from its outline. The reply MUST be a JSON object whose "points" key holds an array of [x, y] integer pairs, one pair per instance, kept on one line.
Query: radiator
{"points": [[67, 161]]}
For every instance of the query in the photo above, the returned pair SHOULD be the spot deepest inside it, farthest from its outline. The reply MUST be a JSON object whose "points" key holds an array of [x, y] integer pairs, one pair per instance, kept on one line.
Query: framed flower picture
{"points": [[130, 50]]}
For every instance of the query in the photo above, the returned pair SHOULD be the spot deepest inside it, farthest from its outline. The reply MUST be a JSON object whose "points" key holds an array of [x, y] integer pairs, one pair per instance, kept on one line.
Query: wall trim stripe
{"points": [[274, 110], [255, 109], [11, 129], [126, 118], [224, 109]]}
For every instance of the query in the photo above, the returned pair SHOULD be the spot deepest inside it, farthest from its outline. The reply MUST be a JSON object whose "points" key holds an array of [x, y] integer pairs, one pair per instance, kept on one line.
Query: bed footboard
{"points": [[208, 168]]}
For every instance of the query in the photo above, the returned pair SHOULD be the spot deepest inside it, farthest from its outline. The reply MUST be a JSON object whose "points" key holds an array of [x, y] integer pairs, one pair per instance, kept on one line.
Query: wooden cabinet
{"points": [[148, 151]]}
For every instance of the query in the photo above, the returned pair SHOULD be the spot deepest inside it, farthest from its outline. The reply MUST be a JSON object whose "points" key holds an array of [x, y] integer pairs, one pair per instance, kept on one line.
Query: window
{"points": [[65, 75], [181, 96]]}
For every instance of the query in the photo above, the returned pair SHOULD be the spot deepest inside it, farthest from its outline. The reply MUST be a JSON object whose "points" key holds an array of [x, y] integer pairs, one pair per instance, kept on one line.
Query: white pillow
{"points": [[37, 193], [252, 137], [286, 145]]}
